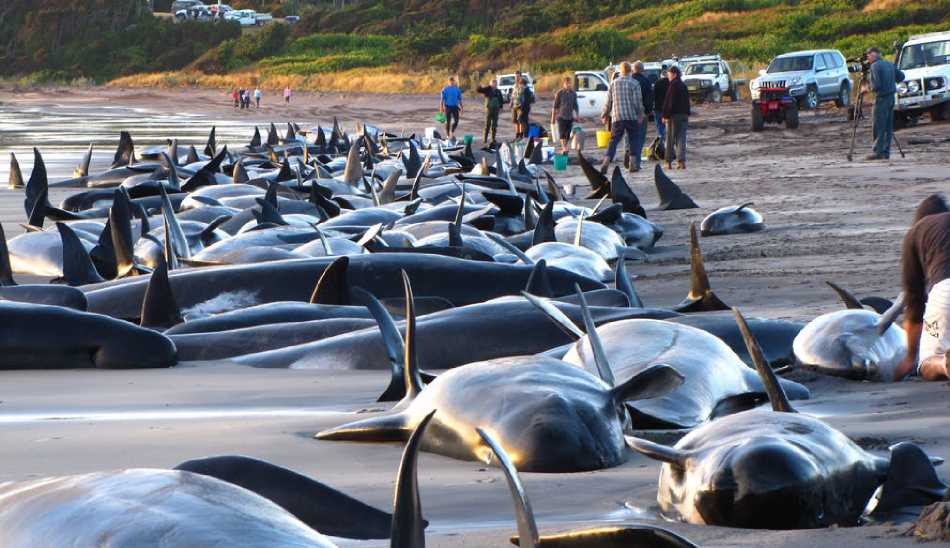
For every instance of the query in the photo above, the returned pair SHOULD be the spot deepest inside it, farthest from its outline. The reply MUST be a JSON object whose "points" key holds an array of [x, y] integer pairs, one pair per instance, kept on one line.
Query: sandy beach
{"points": [[827, 219]]}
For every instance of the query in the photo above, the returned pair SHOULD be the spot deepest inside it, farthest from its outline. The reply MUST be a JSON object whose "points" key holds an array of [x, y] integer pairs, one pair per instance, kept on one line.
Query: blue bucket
{"points": [[534, 131]]}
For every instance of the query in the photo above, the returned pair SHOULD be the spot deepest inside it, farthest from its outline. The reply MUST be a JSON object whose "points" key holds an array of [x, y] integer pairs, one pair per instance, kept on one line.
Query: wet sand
{"points": [[826, 220]]}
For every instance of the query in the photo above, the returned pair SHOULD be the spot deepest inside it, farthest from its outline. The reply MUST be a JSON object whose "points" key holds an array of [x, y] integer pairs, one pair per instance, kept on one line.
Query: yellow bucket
{"points": [[603, 139]]}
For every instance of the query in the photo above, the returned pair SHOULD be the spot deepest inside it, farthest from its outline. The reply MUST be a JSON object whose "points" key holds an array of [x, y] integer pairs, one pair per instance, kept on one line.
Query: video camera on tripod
{"points": [[859, 65]]}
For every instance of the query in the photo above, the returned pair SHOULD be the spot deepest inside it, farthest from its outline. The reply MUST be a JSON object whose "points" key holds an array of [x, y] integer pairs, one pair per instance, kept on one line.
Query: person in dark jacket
{"points": [[883, 81], [659, 96], [925, 267], [676, 117], [563, 111], [646, 90], [494, 100]]}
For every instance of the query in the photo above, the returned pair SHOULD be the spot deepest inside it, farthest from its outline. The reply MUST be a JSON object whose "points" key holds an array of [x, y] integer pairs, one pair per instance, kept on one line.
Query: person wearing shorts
{"points": [[563, 111], [925, 266]]}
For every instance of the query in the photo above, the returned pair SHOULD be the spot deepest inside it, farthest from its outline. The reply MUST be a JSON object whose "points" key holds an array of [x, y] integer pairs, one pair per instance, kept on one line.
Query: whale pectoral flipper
{"points": [[911, 480], [408, 527], [391, 427], [651, 382], [656, 451], [624, 284]]}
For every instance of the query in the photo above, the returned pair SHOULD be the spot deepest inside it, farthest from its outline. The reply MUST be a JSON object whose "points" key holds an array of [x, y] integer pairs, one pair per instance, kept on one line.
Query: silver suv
{"points": [[811, 77]]}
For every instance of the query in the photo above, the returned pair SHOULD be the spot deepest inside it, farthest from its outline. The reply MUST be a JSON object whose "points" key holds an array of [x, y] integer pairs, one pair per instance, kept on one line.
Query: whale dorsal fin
{"points": [[159, 308], [16, 175], [850, 301], [538, 282], [544, 230], [663, 453], [256, 139], [524, 516], [455, 228], [408, 528], [400, 385], [701, 297], [410, 356], [125, 151], [597, 348], [388, 193], [239, 173], [272, 137], [553, 188], [621, 193], [6, 271], [559, 318], [623, 282], [211, 147], [168, 248], [890, 315], [671, 195], [599, 185], [120, 219], [773, 388], [331, 288], [81, 170], [77, 266], [578, 231], [743, 206]]}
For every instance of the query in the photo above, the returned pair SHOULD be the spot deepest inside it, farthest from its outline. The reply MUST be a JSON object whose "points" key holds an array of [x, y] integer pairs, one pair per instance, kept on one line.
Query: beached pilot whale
{"points": [[601, 537], [855, 343], [778, 469], [55, 337], [221, 501], [553, 416], [58, 295], [732, 220]]}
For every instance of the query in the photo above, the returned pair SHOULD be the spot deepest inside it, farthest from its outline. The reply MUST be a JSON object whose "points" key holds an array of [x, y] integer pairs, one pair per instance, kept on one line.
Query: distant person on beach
{"points": [[882, 81], [623, 111], [925, 267], [494, 100], [646, 93], [241, 98], [676, 117], [235, 97], [287, 94], [451, 106], [521, 100], [659, 97], [257, 97], [563, 111]]}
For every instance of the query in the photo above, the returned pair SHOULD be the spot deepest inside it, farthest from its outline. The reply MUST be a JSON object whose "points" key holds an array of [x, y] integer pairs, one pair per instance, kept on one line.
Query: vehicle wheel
{"points": [[941, 112], [791, 117], [900, 120], [758, 121], [811, 98], [844, 96], [716, 95]]}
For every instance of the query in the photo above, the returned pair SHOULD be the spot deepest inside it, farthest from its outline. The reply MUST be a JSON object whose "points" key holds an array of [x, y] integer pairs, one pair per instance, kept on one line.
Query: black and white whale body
{"points": [[552, 416], [855, 343], [777, 469], [458, 281], [732, 220], [775, 336], [55, 337]]}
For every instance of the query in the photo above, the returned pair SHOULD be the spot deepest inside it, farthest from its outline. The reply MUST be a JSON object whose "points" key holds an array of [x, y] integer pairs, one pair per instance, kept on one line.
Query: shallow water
{"points": [[63, 133]]}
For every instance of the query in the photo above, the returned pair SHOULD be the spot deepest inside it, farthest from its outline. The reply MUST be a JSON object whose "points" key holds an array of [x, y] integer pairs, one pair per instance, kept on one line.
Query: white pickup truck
{"points": [[709, 77], [591, 87], [925, 61]]}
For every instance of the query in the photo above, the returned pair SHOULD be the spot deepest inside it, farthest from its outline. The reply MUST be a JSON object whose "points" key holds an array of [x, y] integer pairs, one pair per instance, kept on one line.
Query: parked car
{"points": [[263, 18], [179, 5], [244, 17], [811, 77], [507, 81], [709, 77], [925, 61], [292, 19], [198, 13], [222, 9]]}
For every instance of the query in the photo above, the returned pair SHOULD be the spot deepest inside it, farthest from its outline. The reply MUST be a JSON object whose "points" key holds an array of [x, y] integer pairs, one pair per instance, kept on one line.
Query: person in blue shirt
{"points": [[451, 107], [883, 81]]}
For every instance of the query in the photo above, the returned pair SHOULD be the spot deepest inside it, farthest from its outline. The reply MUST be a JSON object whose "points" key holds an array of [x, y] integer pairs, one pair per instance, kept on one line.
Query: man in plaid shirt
{"points": [[624, 112]]}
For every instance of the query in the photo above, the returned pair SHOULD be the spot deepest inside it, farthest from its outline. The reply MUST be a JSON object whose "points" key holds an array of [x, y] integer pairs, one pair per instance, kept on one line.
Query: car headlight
{"points": [[935, 83], [913, 86], [795, 80], [902, 88]]}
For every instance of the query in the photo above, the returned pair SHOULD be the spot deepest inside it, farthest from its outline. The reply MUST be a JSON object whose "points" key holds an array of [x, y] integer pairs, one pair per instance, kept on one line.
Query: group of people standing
{"points": [[632, 98], [242, 97]]}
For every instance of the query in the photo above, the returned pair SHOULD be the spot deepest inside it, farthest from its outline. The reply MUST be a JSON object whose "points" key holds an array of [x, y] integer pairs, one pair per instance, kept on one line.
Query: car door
{"points": [[591, 93], [821, 75], [836, 73]]}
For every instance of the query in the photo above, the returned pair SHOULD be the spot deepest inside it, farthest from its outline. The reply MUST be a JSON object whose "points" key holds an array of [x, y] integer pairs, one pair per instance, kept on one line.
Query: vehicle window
{"points": [[839, 58], [930, 54], [789, 64], [506, 81], [829, 60], [819, 62], [652, 74], [703, 68], [587, 83]]}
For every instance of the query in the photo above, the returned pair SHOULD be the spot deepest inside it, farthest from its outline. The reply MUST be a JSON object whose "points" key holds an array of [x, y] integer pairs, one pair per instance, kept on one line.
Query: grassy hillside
{"points": [[409, 45]]}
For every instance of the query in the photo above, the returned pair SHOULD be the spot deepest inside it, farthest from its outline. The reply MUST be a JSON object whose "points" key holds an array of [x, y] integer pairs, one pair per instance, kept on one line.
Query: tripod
{"points": [[859, 113]]}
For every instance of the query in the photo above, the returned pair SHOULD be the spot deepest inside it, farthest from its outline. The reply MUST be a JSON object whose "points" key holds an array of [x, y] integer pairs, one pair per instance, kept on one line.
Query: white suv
{"points": [[811, 77], [925, 61], [708, 78], [505, 83]]}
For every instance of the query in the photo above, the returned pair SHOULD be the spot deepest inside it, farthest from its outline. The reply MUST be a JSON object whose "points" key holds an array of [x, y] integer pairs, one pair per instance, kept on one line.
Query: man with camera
{"points": [[883, 78]]}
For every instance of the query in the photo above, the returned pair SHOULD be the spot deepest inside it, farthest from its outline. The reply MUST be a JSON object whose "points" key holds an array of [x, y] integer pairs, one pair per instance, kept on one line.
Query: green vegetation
{"points": [[319, 53], [65, 40]]}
